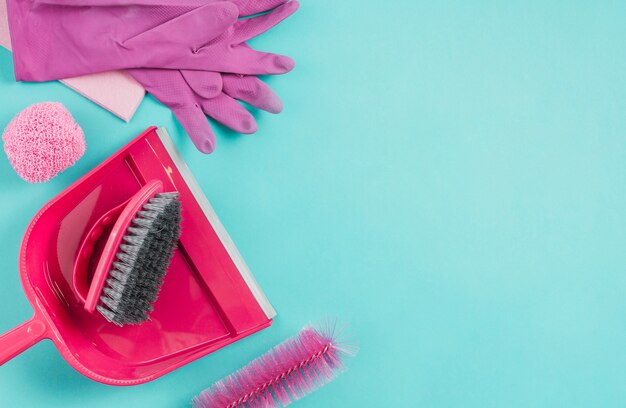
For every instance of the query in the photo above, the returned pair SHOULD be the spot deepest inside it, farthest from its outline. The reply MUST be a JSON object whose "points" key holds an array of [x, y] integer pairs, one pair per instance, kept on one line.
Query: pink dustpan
{"points": [[209, 298]]}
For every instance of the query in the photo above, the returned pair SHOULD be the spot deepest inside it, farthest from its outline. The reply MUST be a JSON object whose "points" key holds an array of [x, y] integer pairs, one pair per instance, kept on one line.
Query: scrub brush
{"points": [[135, 257], [291, 370]]}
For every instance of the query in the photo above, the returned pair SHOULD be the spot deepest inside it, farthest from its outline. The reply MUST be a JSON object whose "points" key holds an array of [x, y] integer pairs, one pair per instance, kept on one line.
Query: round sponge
{"points": [[42, 141]]}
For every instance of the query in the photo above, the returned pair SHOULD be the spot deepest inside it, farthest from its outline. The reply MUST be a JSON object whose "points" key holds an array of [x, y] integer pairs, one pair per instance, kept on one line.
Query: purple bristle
{"points": [[288, 372]]}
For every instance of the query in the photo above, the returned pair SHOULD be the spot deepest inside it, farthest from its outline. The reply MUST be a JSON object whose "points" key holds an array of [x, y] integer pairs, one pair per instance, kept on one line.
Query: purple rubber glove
{"points": [[192, 94], [53, 41]]}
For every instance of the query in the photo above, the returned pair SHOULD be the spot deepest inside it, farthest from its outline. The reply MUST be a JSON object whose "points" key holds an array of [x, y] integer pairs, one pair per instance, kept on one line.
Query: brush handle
{"points": [[21, 338], [115, 238]]}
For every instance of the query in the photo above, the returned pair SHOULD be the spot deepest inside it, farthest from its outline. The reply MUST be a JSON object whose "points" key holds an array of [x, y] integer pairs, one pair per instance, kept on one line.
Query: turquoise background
{"points": [[448, 180]]}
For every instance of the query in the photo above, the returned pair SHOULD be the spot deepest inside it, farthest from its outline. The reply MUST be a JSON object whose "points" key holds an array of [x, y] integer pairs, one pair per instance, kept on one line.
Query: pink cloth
{"points": [[115, 91]]}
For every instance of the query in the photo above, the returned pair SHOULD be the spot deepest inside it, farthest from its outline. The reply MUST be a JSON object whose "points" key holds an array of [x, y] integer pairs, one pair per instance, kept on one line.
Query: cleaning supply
{"points": [[175, 89], [208, 300], [137, 241], [192, 94], [53, 41], [42, 141], [115, 91], [288, 372]]}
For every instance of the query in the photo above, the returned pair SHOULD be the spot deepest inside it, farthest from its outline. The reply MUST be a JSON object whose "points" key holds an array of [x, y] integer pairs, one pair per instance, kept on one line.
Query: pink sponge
{"points": [[42, 141]]}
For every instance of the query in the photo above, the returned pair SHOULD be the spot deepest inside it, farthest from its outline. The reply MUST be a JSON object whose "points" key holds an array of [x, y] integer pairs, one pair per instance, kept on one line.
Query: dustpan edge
{"points": [[219, 229]]}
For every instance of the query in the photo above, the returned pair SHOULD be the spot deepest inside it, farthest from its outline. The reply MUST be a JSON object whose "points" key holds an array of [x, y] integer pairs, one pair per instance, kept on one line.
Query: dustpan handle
{"points": [[21, 338]]}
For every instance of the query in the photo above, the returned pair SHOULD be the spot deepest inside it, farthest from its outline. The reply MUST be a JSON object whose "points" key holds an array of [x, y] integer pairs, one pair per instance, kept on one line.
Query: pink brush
{"points": [[288, 372], [123, 259]]}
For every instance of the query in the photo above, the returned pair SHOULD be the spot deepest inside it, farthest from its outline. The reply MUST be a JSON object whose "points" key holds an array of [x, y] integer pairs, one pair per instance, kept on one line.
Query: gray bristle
{"points": [[142, 261]]}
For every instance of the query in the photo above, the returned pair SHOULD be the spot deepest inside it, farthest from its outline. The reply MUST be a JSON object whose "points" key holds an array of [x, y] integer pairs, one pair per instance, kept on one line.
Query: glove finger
{"points": [[190, 30], [170, 88], [207, 84], [253, 91], [251, 27], [246, 61], [197, 127], [250, 7], [230, 113]]}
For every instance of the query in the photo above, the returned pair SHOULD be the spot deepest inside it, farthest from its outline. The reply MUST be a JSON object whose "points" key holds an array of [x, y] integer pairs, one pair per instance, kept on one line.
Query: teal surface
{"points": [[448, 179]]}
